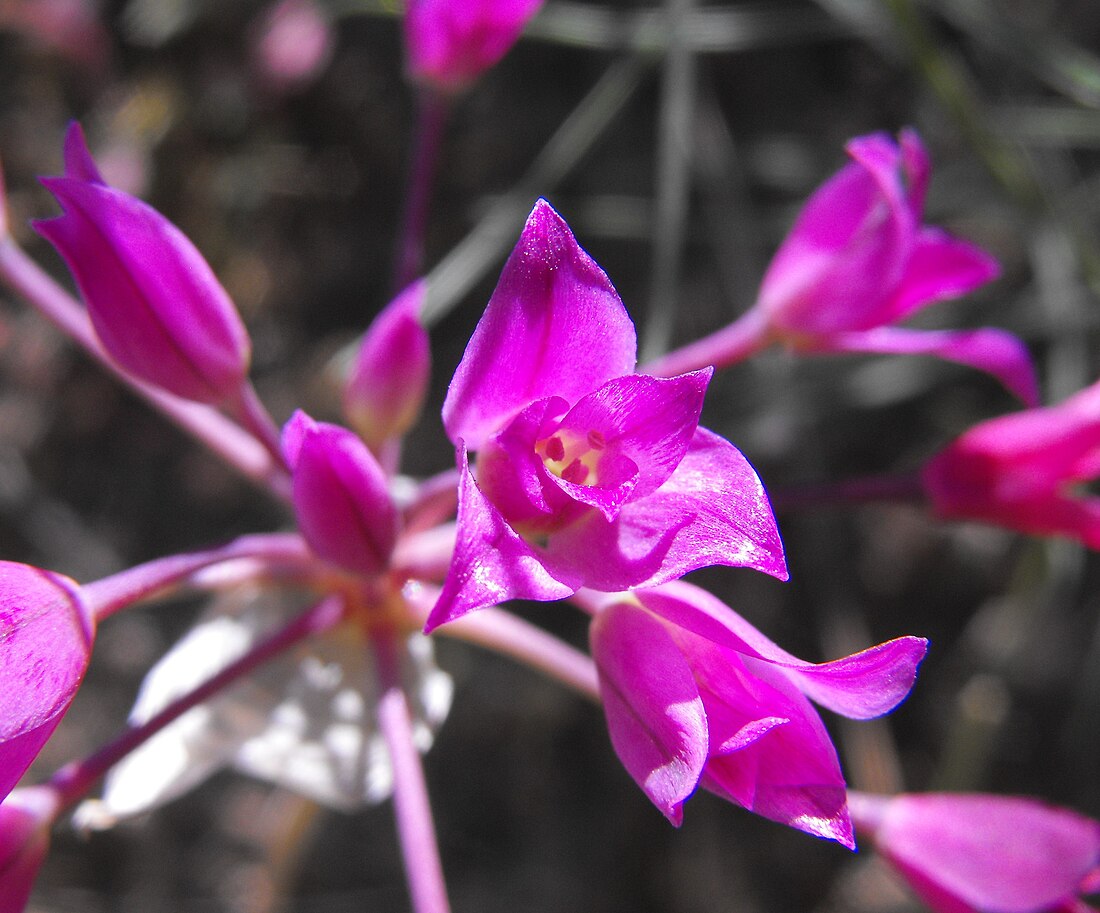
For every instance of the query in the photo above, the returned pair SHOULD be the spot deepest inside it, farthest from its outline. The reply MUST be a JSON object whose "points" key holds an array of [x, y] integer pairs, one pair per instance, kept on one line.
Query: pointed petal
{"points": [[385, 389], [917, 167], [554, 326], [997, 853], [46, 633], [79, 163], [940, 267], [654, 713], [994, 351], [861, 686], [340, 494], [492, 563]]}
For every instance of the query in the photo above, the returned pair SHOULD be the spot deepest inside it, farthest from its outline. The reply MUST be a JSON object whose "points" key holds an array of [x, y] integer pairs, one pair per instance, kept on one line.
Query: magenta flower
{"points": [[26, 816], [965, 853], [1025, 471], [450, 43], [47, 633], [587, 474], [343, 506], [155, 304], [388, 382], [858, 260], [696, 696]]}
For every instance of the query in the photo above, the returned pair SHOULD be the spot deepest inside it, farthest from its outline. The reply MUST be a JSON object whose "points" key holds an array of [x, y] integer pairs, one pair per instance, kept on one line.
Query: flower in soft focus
{"points": [[292, 43], [587, 474], [25, 819], [306, 721], [1026, 471], [695, 696], [450, 43], [857, 260], [388, 381], [155, 303], [46, 632], [340, 494], [965, 853]]}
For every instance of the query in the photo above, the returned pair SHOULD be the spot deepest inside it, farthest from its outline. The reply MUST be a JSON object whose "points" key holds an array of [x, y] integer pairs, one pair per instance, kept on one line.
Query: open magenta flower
{"points": [[46, 631], [695, 696], [587, 474], [974, 853], [1025, 471], [450, 43], [155, 303], [858, 260]]}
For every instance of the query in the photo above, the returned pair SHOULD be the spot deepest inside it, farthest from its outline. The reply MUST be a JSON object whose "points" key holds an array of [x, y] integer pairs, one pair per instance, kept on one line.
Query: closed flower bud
{"points": [[155, 303]]}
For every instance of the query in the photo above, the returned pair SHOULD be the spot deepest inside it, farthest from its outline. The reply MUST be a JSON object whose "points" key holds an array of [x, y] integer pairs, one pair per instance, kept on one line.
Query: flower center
{"points": [[571, 457]]}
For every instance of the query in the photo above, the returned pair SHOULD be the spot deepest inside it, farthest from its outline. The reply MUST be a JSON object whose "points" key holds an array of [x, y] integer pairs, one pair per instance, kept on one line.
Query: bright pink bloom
{"points": [[46, 631], [340, 495], [965, 853], [1025, 471], [858, 260], [587, 474], [155, 304], [26, 816], [388, 382], [696, 696], [450, 43]]}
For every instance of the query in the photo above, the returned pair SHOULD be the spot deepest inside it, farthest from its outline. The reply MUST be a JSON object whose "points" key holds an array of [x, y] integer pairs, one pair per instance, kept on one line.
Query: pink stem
{"points": [[746, 336], [276, 551], [432, 111], [224, 437], [73, 781], [412, 809], [850, 491]]}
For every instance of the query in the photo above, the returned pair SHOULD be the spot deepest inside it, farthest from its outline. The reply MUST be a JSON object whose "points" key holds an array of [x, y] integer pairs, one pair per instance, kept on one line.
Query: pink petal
{"points": [[79, 163], [654, 713], [917, 167], [847, 249], [712, 511], [996, 352], [993, 853], [554, 327], [388, 381], [155, 304], [492, 563], [861, 686], [340, 495], [790, 773], [46, 632], [451, 42], [940, 267]]}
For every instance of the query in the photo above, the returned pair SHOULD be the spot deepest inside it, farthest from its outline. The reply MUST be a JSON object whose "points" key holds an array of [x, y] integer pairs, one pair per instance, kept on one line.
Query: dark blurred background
{"points": [[679, 163]]}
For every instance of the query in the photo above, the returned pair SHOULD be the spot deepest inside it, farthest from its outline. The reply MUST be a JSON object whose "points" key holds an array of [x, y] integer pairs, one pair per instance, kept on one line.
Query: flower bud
{"points": [[452, 42], [340, 496], [388, 381], [25, 819], [155, 303]]}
